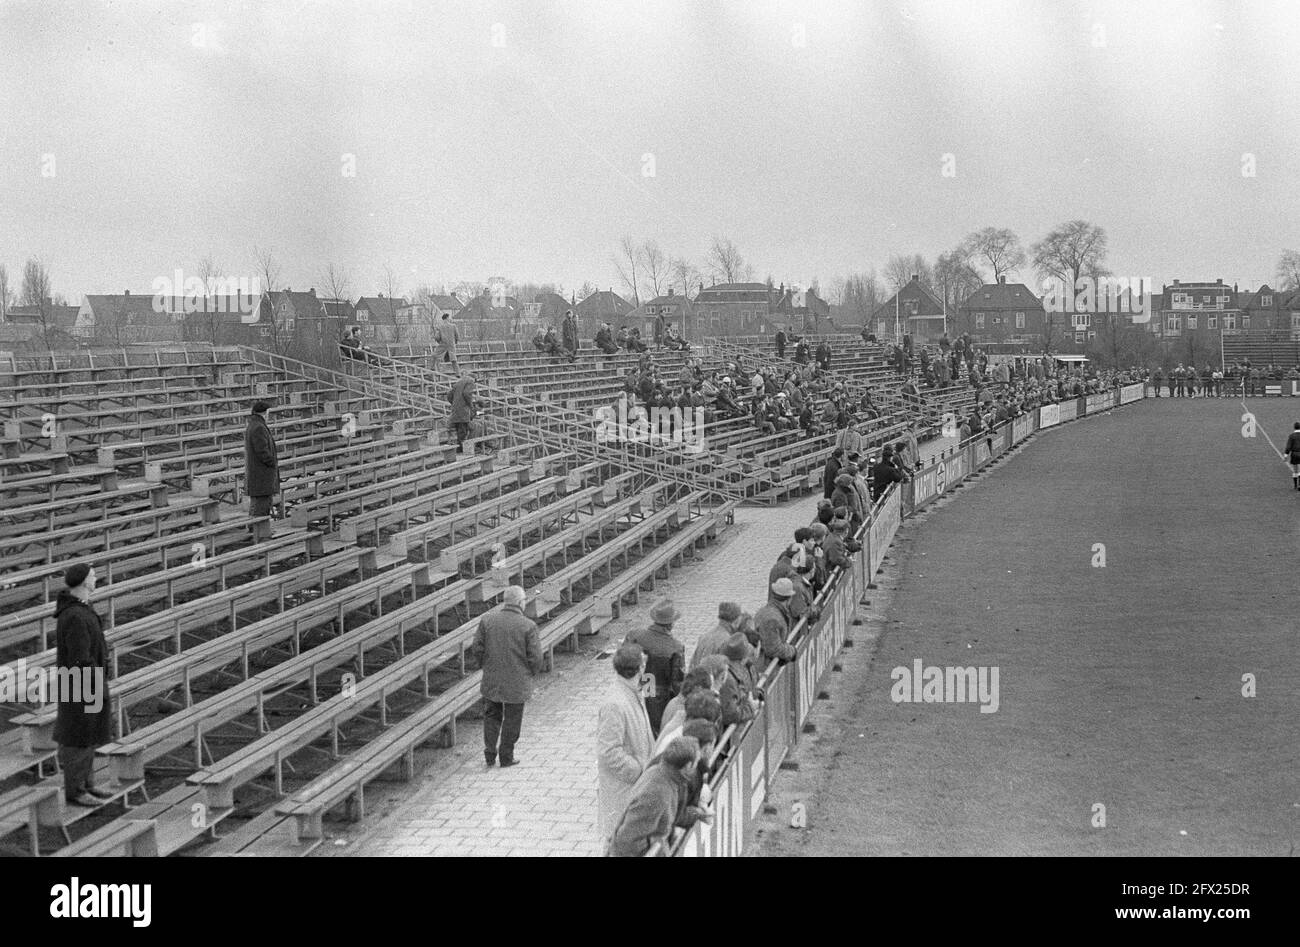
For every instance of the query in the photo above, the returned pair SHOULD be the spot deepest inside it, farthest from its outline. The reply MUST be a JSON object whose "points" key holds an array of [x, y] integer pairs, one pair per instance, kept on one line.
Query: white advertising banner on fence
{"points": [[935, 479], [1069, 409], [882, 529], [1131, 393], [1021, 428], [1049, 415]]}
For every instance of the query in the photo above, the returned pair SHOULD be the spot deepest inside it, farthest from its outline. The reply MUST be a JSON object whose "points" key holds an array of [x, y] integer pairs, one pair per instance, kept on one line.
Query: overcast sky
{"points": [[185, 129]]}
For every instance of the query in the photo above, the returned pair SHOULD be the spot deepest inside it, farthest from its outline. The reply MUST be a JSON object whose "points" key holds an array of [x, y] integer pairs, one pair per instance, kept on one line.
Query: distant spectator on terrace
{"points": [[824, 355], [605, 339], [773, 623], [801, 353], [261, 467], [712, 642], [569, 330], [461, 398], [350, 345], [780, 342], [660, 325], [658, 803], [446, 337], [624, 740], [510, 653], [665, 658], [674, 342]]}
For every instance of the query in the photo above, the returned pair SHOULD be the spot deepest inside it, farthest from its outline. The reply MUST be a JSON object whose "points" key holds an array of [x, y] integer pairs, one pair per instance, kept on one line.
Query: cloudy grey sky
{"points": [[184, 129]]}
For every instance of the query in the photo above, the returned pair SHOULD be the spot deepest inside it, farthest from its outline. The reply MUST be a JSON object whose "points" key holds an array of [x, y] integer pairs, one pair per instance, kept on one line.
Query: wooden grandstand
{"points": [[260, 684]]}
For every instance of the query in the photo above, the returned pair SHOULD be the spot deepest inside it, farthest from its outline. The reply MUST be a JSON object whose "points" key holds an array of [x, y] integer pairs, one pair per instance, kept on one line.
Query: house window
{"points": [[1172, 323], [979, 320], [1212, 322], [369, 332], [1266, 301], [1080, 320], [284, 307], [1091, 336], [1245, 320], [265, 331], [1191, 323], [1078, 336], [363, 315], [1020, 320], [288, 325], [1295, 320], [1229, 321]]}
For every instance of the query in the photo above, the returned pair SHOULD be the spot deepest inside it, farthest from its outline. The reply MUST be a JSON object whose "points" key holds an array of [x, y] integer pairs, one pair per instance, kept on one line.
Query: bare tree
{"points": [[337, 281], [655, 266], [956, 279], [36, 292], [1071, 250], [685, 273], [626, 261], [898, 272], [208, 319], [268, 273], [1288, 270], [587, 289], [6, 294], [999, 248], [859, 295], [725, 262]]}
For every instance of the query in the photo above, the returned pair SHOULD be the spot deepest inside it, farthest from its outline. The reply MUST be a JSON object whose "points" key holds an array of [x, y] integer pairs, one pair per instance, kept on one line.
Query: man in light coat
{"points": [[510, 653], [624, 741], [445, 339]]}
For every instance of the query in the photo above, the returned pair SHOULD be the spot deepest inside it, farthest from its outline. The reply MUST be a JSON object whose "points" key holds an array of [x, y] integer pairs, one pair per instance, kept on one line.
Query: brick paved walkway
{"points": [[547, 804]]}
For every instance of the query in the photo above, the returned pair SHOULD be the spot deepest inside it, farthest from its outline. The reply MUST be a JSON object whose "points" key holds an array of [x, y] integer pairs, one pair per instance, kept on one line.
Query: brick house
{"points": [[919, 313], [1009, 312]]}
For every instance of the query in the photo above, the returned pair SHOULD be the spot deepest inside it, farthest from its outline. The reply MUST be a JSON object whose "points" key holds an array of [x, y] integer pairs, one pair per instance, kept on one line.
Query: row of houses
{"points": [[1012, 312], [996, 312]]}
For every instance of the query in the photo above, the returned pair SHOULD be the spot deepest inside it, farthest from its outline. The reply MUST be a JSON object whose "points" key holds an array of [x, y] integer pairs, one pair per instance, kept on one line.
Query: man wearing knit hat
{"points": [[711, 642], [84, 719], [510, 654], [665, 659], [773, 622], [261, 467]]}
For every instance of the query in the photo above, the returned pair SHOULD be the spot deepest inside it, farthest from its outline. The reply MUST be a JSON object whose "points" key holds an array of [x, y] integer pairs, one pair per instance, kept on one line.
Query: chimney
{"points": [[1175, 282], [381, 295], [915, 278], [1234, 287], [1218, 282], [670, 290], [1001, 280]]}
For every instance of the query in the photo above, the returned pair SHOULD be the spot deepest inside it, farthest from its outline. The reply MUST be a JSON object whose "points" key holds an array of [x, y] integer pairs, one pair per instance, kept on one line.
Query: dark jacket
{"points": [[773, 623], [666, 661], [882, 475], [510, 653], [261, 459], [834, 552], [461, 398], [657, 804], [1293, 447], [828, 477], [79, 643]]}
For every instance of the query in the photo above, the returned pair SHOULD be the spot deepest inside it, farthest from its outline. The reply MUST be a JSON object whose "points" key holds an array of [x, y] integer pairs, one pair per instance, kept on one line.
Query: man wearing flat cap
{"points": [[510, 654], [84, 718], [711, 642], [665, 659], [774, 621], [261, 467]]}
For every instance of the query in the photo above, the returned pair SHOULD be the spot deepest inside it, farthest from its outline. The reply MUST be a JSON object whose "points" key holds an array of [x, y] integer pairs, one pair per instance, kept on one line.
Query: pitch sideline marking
{"points": [[1260, 428]]}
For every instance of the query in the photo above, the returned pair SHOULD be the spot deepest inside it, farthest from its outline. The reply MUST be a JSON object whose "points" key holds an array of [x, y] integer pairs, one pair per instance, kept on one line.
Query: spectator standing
{"points": [[510, 653], [569, 334], [446, 337], [261, 467], [665, 659], [712, 642], [780, 343], [831, 471], [773, 622], [461, 398], [657, 805], [624, 742], [81, 653]]}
